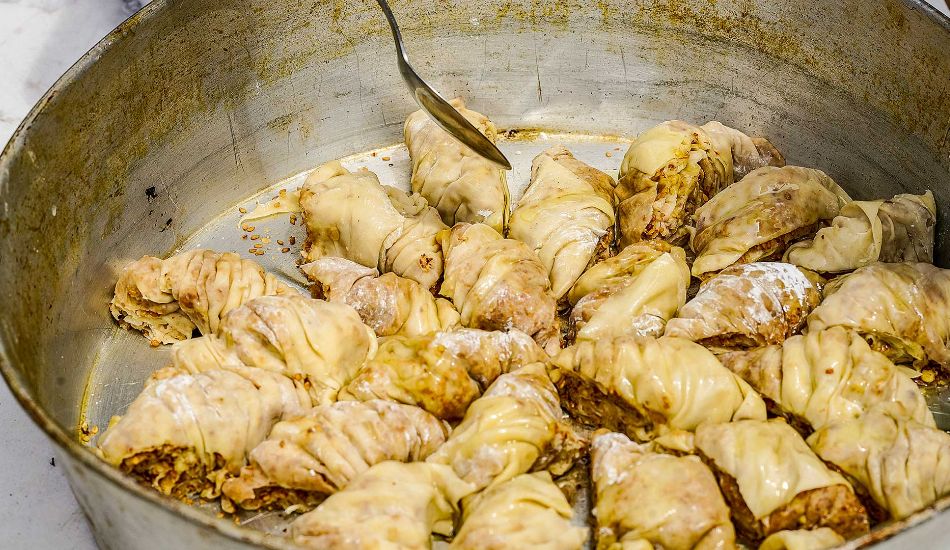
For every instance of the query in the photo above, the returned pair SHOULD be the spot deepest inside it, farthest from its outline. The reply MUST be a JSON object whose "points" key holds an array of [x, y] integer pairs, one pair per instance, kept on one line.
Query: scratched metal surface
{"points": [[192, 107]]}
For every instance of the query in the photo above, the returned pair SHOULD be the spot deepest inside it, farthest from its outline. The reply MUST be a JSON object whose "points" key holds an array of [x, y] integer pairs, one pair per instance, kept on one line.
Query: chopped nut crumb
{"points": [[242, 210], [285, 249], [276, 204], [255, 237], [154, 343], [282, 193], [373, 153], [280, 242], [609, 154], [258, 245], [259, 252], [244, 237], [251, 250], [386, 158], [248, 228], [293, 240], [293, 219], [928, 376]]}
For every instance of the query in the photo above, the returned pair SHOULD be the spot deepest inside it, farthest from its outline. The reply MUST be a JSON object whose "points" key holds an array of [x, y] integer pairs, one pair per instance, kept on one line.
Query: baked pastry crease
{"points": [[389, 304], [748, 305], [458, 182], [757, 217], [168, 299], [392, 505], [320, 344], [498, 284], [307, 457], [351, 215], [527, 511], [900, 229], [566, 216], [631, 294], [902, 309], [441, 372]]}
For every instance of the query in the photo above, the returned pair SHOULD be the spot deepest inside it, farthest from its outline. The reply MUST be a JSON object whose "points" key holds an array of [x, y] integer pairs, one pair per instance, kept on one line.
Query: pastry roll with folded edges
{"points": [[185, 432], [903, 310], [320, 344], [441, 372], [461, 184], [391, 505], [747, 306], [515, 427], [527, 511], [802, 539], [318, 453], [900, 229], [675, 167], [351, 215], [389, 304], [757, 217], [168, 299], [633, 293], [828, 375], [647, 387], [498, 284], [566, 216], [902, 464], [645, 499], [772, 481]]}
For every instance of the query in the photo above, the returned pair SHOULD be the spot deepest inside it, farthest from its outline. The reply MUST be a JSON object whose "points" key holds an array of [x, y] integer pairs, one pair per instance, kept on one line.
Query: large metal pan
{"points": [[192, 106]]}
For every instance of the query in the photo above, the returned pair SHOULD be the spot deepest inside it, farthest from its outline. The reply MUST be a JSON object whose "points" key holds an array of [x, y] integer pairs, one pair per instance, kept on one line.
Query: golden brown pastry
{"points": [[747, 153], [645, 387], [903, 465], [826, 376], [757, 217], [392, 505], [802, 539], [318, 453], [185, 432], [900, 229], [441, 372], [566, 216], [321, 344], [527, 511], [168, 299], [515, 427], [647, 499], [498, 284], [458, 182], [772, 481], [902, 309], [351, 215], [747, 306], [633, 293], [389, 304]]}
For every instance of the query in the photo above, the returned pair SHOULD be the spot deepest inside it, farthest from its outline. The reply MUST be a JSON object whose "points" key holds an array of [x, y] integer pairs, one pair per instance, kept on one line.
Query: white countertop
{"points": [[39, 40]]}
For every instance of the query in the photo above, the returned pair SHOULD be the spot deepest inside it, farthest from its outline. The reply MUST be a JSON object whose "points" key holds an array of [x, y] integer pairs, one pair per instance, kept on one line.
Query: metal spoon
{"points": [[438, 108]]}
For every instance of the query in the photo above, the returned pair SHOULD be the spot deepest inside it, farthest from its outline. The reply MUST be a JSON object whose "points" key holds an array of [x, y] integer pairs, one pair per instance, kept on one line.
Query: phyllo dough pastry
{"points": [[351, 215], [646, 499], [320, 344], [461, 184], [902, 309], [900, 229], [515, 427], [646, 387], [185, 432], [566, 216], [633, 293], [772, 481], [747, 306], [675, 167], [802, 539], [527, 511], [826, 376], [757, 217], [389, 304], [497, 283], [903, 465], [318, 453], [441, 372], [392, 505], [168, 299]]}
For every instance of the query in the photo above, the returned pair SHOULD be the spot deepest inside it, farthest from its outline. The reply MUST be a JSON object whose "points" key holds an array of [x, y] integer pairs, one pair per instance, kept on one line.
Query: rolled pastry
{"points": [[168, 299], [802, 539], [458, 182], [566, 216]]}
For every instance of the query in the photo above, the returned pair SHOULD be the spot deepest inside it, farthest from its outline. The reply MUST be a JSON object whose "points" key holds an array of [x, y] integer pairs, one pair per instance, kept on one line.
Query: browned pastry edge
{"points": [[275, 497], [176, 471], [769, 250], [734, 341], [836, 507], [589, 404], [768, 151]]}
